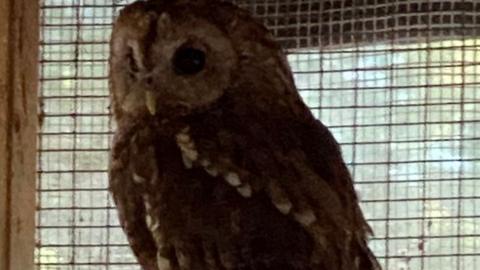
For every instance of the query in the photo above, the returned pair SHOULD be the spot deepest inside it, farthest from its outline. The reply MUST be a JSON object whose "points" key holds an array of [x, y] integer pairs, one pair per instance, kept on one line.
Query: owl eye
{"points": [[188, 61]]}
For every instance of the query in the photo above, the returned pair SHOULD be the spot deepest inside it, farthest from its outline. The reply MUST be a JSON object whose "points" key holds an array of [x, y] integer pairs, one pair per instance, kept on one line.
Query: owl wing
{"points": [[293, 160], [130, 204]]}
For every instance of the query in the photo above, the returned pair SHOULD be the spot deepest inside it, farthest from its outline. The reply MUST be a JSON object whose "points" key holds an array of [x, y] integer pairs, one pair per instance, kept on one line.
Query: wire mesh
{"points": [[394, 80]]}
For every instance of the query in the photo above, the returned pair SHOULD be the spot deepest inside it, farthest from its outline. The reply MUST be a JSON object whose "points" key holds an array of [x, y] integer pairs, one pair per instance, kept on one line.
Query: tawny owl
{"points": [[216, 162]]}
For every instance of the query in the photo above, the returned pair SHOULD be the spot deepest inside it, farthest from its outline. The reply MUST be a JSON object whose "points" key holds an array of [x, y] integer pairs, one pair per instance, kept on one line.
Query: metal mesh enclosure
{"points": [[395, 80]]}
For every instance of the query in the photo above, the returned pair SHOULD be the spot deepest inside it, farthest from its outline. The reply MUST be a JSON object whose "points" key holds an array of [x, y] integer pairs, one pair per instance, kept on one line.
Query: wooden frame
{"points": [[19, 22]]}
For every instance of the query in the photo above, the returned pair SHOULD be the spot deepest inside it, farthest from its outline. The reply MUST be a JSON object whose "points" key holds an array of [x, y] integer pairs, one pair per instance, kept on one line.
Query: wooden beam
{"points": [[19, 31]]}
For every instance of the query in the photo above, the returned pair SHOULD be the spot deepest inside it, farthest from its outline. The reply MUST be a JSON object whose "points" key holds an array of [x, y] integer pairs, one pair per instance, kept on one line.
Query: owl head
{"points": [[172, 58]]}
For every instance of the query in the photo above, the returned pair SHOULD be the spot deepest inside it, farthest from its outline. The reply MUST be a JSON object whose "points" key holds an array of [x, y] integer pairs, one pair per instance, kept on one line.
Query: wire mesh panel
{"points": [[394, 80]]}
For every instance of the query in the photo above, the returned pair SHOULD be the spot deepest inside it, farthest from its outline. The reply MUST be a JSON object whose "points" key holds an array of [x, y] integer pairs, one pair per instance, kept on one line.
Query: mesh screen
{"points": [[394, 80]]}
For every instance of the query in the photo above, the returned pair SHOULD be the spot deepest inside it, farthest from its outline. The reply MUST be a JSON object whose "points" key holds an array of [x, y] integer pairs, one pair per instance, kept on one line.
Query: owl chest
{"points": [[172, 188], [188, 205]]}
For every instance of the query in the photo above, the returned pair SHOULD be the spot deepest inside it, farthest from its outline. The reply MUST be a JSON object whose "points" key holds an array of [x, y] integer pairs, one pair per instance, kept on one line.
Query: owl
{"points": [[216, 161]]}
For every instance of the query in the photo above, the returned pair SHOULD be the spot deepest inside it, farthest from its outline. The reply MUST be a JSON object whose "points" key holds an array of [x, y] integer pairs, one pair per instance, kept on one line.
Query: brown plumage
{"points": [[216, 162]]}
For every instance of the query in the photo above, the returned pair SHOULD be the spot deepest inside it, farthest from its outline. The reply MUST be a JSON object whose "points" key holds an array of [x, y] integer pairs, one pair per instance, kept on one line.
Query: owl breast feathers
{"points": [[216, 162]]}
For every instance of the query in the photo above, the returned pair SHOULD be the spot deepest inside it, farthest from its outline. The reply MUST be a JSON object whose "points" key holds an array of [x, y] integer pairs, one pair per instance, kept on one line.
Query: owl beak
{"points": [[151, 102]]}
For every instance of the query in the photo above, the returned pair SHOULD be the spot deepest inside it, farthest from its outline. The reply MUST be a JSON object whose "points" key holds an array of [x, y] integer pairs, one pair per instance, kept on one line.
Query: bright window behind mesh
{"points": [[407, 116]]}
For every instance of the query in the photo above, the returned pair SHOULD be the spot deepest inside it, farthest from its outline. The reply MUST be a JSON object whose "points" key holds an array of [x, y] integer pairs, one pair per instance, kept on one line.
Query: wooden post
{"points": [[19, 31]]}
